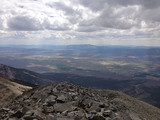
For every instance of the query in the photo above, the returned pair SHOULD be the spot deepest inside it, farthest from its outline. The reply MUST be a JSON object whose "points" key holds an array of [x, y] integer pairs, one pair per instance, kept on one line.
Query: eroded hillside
{"points": [[9, 90]]}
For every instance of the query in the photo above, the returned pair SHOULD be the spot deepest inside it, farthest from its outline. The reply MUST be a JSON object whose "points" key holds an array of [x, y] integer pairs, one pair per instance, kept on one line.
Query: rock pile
{"points": [[65, 102]]}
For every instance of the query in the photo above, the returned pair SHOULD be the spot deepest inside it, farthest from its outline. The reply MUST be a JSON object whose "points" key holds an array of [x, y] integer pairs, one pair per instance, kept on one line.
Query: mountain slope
{"points": [[146, 90], [9, 90], [69, 102], [23, 75]]}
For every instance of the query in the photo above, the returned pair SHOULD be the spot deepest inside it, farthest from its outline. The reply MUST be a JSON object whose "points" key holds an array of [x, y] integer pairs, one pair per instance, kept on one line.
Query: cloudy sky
{"points": [[98, 22]]}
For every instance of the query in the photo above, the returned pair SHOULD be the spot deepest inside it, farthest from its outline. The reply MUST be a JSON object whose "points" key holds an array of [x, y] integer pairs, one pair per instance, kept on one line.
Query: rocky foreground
{"points": [[69, 102]]}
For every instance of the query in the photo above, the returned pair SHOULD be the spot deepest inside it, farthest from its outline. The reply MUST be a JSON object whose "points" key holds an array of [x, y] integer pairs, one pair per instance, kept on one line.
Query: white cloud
{"points": [[79, 21]]}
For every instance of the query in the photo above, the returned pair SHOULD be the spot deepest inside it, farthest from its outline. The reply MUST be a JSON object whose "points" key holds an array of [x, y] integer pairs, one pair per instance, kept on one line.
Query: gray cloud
{"points": [[99, 4], [150, 4], [152, 15], [120, 20], [90, 28], [108, 18], [95, 5], [121, 14], [61, 6], [58, 27], [24, 23], [124, 14], [1, 24], [123, 18], [73, 15]]}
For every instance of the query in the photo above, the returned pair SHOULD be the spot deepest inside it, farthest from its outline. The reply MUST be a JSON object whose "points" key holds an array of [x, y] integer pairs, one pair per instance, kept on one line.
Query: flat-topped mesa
{"points": [[70, 102]]}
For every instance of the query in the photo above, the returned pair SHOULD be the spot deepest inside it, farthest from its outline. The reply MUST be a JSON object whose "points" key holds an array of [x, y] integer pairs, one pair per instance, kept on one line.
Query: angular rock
{"points": [[51, 117], [64, 107], [61, 99], [17, 114], [47, 110], [54, 90], [102, 105], [51, 100], [67, 102], [107, 113], [98, 118]]}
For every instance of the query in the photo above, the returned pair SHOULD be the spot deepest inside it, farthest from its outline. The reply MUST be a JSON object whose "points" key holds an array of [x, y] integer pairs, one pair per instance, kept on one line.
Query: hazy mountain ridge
{"points": [[23, 75]]}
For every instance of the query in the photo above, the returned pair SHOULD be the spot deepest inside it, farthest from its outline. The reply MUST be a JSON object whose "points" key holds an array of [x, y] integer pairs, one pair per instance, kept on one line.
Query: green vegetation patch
{"points": [[146, 74], [64, 68]]}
